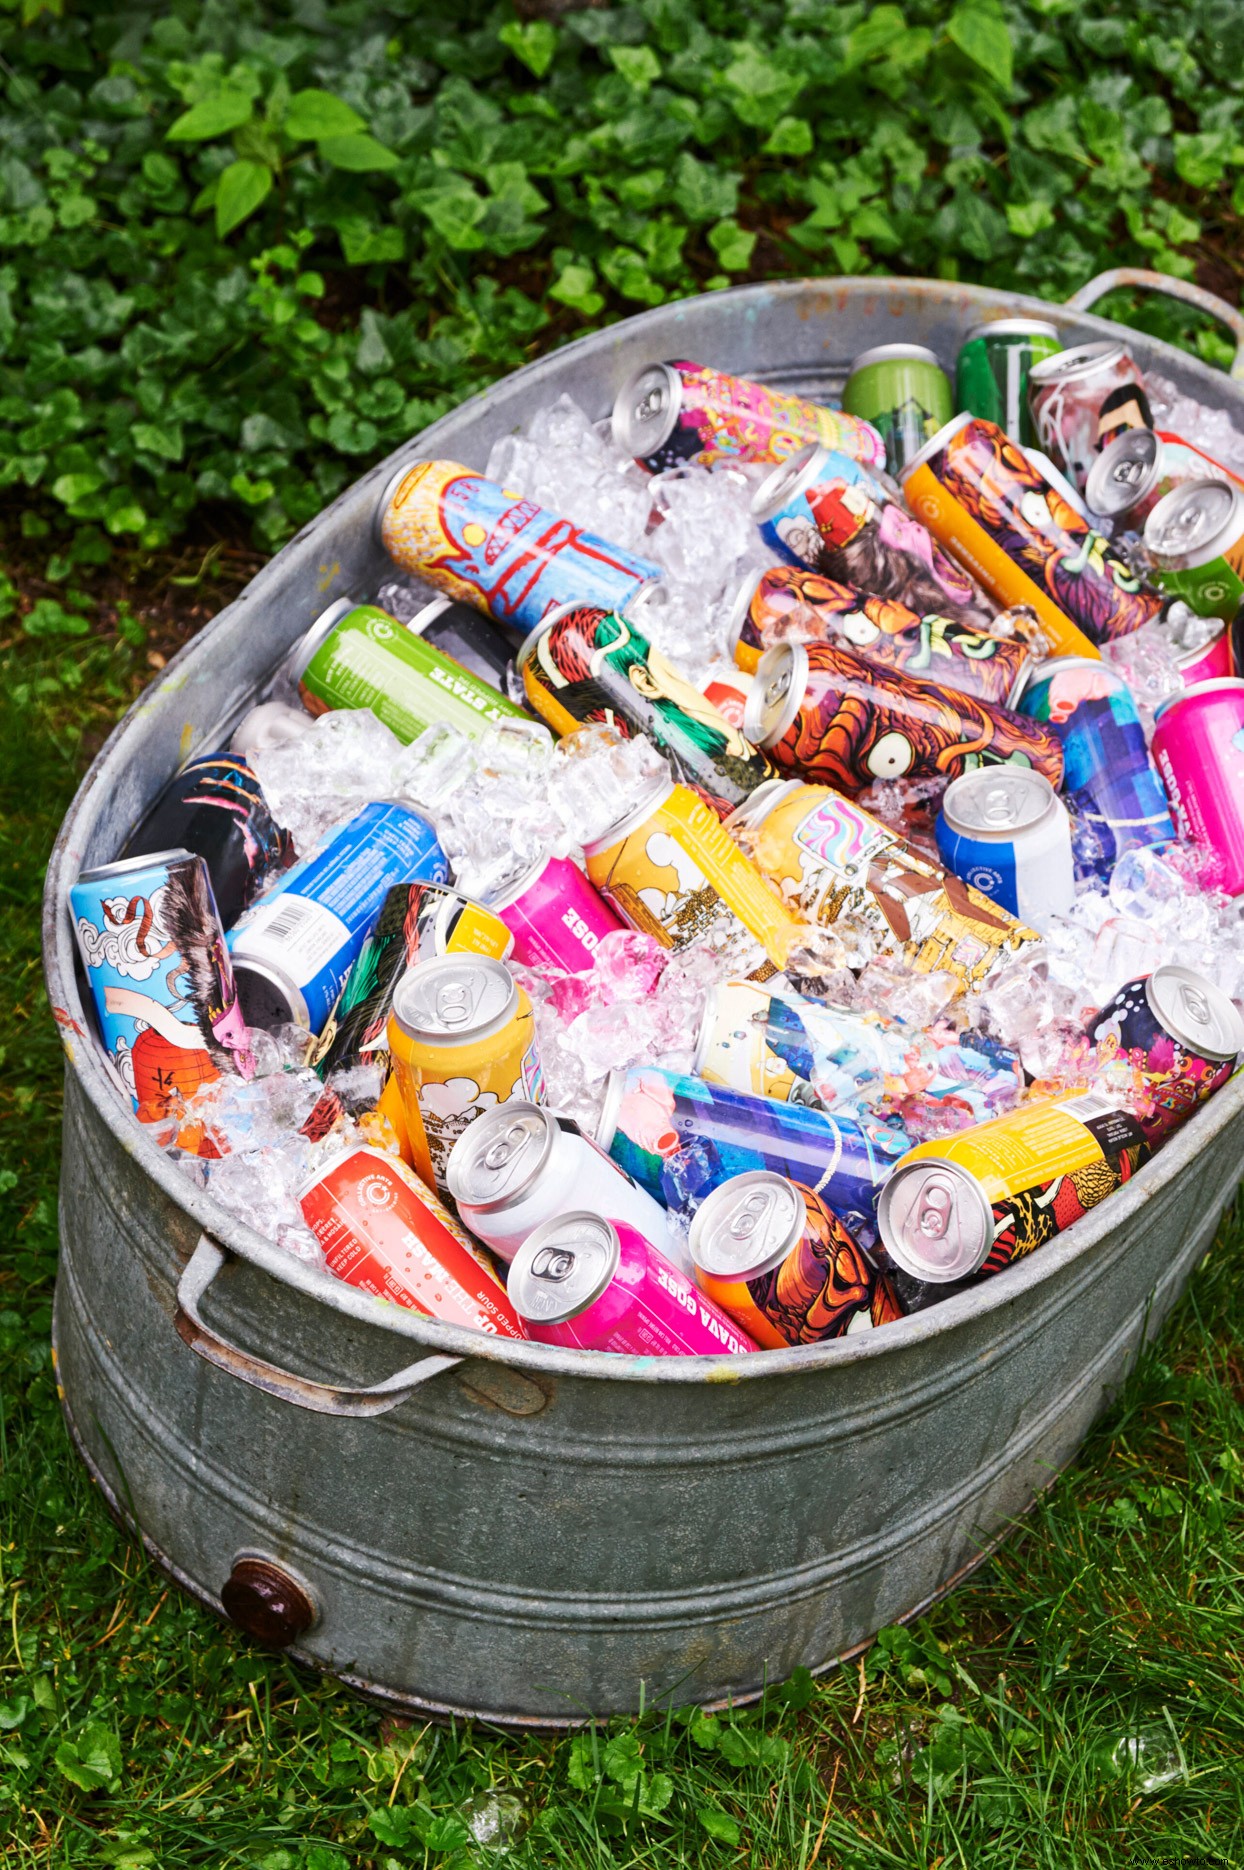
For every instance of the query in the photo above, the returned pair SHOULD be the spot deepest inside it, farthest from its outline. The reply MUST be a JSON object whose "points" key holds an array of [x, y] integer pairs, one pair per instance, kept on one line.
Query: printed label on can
{"points": [[296, 934]]}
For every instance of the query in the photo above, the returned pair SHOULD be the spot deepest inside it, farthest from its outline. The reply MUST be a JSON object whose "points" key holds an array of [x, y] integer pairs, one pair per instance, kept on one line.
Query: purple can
{"points": [[1198, 746], [1181, 1032], [595, 1285], [556, 917]]}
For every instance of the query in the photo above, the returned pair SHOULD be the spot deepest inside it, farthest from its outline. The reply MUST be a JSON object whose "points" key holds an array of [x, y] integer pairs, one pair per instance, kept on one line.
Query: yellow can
{"points": [[462, 1040], [733, 1047], [671, 870]]}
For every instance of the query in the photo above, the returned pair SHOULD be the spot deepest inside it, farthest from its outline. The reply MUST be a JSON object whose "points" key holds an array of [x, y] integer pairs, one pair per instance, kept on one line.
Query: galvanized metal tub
{"points": [[526, 1533]]}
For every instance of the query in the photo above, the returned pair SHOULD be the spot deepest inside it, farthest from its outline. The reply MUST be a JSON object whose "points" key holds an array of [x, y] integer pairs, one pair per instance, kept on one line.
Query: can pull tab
{"points": [[750, 1216], [999, 809], [455, 1003], [553, 1264], [500, 1154], [778, 686], [1194, 1004], [933, 1214]]}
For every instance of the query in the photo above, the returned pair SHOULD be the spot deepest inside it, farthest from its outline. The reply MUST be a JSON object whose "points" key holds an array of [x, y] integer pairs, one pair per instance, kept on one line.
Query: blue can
{"points": [[815, 501], [154, 950], [1109, 781], [1005, 831], [293, 951], [680, 1138]]}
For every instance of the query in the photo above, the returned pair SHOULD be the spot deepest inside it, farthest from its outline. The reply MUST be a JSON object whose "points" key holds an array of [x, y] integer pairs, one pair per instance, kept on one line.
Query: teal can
{"points": [[991, 375], [902, 390]]}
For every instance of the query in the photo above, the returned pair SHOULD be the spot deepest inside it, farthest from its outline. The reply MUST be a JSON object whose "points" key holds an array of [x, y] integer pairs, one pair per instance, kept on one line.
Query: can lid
{"points": [[1037, 671], [523, 653], [267, 995], [102, 872], [649, 800], [607, 1122], [997, 801], [319, 632], [1194, 522], [430, 612], [563, 1267], [787, 479], [1195, 1012], [646, 409], [512, 887], [497, 1158], [934, 1220], [638, 609], [1123, 472], [453, 998], [390, 488], [893, 353], [777, 691], [1013, 328], [747, 1226], [1078, 360], [740, 604], [758, 805], [937, 442]]}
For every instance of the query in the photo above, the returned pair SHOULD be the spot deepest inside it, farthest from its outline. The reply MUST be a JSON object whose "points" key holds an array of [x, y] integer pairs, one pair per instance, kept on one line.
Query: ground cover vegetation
{"points": [[246, 250]]}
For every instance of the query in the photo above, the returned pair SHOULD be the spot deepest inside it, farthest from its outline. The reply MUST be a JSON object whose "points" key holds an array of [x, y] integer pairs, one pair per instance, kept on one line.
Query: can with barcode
{"points": [[462, 1039], [1180, 1031], [667, 414], [1006, 832], [293, 951], [215, 807], [974, 1202]]}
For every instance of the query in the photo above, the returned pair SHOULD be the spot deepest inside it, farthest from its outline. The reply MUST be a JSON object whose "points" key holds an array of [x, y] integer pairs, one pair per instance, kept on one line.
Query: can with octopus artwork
{"points": [[1185, 1035], [770, 1253], [670, 413], [824, 713], [987, 502]]}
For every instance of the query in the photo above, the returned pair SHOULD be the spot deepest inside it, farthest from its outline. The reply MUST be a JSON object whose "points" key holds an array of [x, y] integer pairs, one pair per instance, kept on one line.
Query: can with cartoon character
{"points": [[824, 713], [838, 865], [1198, 748], [215, 806], [795, 604], [1081, 399], [155, 955], [585, 664], [670, 413], [462, 1040], [671, 870], [1183, 1033]]}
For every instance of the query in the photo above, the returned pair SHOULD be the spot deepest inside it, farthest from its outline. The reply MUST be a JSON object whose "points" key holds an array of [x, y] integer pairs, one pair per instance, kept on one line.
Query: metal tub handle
{"points": [[324, 1398], [1174, 289]]}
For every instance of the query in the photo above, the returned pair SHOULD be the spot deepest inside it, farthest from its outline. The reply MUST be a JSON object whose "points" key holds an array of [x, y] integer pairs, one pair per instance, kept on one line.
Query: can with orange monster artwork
{"points": [[820, 711]]}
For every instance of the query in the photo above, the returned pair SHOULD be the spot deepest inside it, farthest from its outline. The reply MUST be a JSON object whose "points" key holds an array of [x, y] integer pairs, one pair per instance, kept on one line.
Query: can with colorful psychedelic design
{"points": [[1198, 746], [670, 413], [491, 548], [1081, 399], [215, 807], [981, 495], [1183, 1033]]}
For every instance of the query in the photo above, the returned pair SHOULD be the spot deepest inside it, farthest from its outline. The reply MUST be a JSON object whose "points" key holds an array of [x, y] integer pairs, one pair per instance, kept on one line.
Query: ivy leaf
{"points": [[575, 287], [702, 192], [719, 1824], [93, 1760], [358, 152], [13, 1713], [733, 245], [240, 190], [159, 438], [215, 116], [534, 42], [758, 90], [638, 64], [982, 33], [1026, 218], [362, 242], [790, 136], [312, 115], [48, 618]]}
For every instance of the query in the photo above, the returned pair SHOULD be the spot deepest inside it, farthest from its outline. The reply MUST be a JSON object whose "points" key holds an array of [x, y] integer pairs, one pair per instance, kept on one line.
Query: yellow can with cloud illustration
{"points": [[462, 1040], [670, 869]]}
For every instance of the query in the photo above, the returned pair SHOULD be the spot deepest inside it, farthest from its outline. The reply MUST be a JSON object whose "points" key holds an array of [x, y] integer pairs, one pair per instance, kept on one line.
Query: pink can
{"points": [[1208, 663], [1198, 746], [555, 916], [596, 1285]]}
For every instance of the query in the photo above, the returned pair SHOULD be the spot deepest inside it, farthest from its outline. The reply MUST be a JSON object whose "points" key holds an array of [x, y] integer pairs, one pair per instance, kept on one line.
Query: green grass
{"points": [[992, 1733]]}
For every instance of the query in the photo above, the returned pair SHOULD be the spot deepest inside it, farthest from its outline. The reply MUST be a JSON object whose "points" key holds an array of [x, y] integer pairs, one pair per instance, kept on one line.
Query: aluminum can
{"points": [[215, 807], [515, 1167], [974, 1202], [484, 647], [418, 922], [381, 1230], [1081, 399], [991, 375], [462, 1039], [727, 686], [1195, 541], [801, 1052], [792, 603], [1007, 834], [773, 1256], [835, 862], [1109, 781], [597, 1285], [269, 724], [1208, 661], [292, 953], [812, 500], [670, 413], [822, 712], [584, 664], [153, 947], [1139, 468], [672, 870], [681, 1137], [1184, 1034], [484, 546], [1198, 747], [355, 656], [903, 392], [555, 917], [982, 496]]}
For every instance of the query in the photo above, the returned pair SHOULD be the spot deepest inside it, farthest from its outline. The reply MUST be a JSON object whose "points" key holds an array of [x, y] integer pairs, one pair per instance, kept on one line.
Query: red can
{"points": [[383, 1231], [555, 916]]}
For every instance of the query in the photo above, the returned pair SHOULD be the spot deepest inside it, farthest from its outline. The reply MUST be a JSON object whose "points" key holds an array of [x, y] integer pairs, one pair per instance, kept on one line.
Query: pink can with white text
{"points": [[594, 1285], [1198, 746], [556, 917]]}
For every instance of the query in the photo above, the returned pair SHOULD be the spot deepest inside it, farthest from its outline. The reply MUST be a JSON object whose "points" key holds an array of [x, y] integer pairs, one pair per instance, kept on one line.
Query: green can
{"points": [[905, 394], [1195, 541], [357, 656], [991, 376]]}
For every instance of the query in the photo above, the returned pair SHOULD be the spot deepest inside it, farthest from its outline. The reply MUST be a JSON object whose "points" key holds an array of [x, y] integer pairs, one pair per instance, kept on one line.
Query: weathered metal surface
{"points": [[531, 1533]]}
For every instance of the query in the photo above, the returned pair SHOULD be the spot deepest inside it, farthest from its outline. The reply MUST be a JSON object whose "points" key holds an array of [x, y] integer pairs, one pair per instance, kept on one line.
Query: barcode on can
{"points": [[299, 934], [1088, 1107]]}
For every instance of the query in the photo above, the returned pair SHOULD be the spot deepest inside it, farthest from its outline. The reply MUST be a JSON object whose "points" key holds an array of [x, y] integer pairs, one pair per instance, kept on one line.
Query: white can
{"points": [[1005, 830]]}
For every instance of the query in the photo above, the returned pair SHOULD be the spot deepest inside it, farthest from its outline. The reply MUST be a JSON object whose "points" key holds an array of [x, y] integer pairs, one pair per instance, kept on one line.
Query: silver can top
{"points": [[740, 604], [787, 479], [1079, 360], [455, 998], [644, 608], [434, 608], [1013, 328], [777, 691], [646, 409], [761, 803], [1198, 689], [319, 632], [997, 801], [653, 796], [497, 1158], [1194, 523], [1195, 1012], [747, 1226], [563, 1267], [894, 353], [937, 442], [123, 865], [934, 1220], [1123, 472]]}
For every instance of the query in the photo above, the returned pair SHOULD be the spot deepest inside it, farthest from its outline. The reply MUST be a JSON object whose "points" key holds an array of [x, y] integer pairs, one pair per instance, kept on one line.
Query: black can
{"points": [[482, 645], [215, 807]]}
